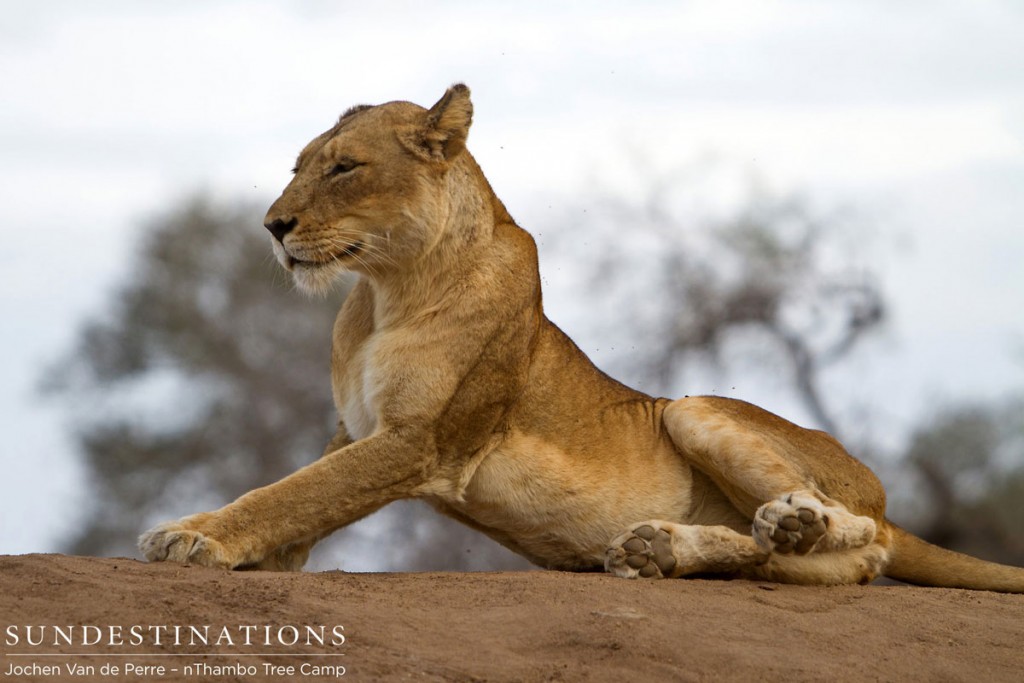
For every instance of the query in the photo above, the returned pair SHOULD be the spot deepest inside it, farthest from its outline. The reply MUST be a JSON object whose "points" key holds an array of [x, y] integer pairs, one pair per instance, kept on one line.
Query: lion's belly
{"points": [[563, 509]]}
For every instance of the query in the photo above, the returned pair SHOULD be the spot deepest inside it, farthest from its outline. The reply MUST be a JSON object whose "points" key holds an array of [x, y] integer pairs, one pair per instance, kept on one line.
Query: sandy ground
{"points": [[527, 626]]}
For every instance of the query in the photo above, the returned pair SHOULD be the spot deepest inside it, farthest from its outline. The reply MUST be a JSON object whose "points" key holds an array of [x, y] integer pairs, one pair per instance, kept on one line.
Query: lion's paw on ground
{"points": [[173, 542]]}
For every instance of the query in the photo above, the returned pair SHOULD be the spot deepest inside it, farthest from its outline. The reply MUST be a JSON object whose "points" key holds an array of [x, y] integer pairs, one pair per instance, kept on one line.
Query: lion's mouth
{"points": [[350, 251]]}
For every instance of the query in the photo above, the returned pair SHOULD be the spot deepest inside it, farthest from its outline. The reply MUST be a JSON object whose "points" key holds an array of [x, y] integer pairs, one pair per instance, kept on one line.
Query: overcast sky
{"points": [[111, 112]]}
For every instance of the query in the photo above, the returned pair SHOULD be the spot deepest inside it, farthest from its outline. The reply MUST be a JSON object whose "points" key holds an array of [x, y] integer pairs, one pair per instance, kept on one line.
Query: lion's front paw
{"points": [[645, 551], [791, 524], [175, 542]]}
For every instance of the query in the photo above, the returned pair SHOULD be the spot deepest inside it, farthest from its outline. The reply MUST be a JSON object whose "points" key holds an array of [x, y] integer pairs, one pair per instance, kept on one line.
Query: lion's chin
{"points": [[315, 279]]}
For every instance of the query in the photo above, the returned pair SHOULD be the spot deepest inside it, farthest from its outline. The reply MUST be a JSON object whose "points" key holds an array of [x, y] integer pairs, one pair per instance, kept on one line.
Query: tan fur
{"points": [[452, 386]]}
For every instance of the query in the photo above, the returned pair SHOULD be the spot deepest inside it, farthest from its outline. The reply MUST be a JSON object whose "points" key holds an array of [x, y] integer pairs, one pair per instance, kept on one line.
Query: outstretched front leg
{"points": [[275, 526]]}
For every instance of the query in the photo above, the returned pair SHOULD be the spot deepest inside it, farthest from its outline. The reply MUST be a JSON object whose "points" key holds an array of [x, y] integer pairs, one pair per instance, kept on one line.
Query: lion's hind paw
{"points": [[791, 524], [645, 551]]}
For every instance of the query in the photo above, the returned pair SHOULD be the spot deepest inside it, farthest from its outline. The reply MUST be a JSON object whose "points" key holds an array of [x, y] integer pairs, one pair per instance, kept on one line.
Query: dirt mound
{"points": [[119, 619]]}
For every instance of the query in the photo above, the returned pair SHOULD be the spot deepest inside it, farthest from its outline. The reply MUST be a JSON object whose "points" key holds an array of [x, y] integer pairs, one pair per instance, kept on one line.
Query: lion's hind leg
{"points": [[774, 473], [842, 567], [657, 549]]}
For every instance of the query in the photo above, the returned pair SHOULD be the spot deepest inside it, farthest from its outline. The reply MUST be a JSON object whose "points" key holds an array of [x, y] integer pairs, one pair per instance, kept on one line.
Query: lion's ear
{"points": [[443, 132]]}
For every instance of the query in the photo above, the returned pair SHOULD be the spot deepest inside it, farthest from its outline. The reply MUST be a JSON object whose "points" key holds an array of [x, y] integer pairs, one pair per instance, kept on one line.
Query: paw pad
{"points": [[784, 528], [646, 551]]}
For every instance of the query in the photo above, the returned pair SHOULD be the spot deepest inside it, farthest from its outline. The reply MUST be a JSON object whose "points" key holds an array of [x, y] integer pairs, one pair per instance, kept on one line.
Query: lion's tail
{"points": [[921, 563]]}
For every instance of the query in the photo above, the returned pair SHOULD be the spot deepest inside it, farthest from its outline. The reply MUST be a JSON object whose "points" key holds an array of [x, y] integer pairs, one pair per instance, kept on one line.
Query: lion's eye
{"points": [[343, 166]]}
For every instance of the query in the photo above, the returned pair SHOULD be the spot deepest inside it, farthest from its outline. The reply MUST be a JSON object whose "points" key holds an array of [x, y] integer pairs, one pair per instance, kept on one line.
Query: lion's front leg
{"points": [[275, 526], [287, 558]]}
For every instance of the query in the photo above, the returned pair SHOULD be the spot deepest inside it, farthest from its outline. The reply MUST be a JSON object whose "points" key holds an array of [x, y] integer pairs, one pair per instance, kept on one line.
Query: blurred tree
{"points": [[970, 459], [774, 279], [207, 377]]}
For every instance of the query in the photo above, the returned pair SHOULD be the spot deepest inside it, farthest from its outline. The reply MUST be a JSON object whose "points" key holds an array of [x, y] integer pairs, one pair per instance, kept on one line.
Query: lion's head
{"points": [[369, 195]]}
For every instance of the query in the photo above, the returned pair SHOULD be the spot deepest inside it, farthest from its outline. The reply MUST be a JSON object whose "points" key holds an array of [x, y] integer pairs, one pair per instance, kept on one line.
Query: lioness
{"points": [[452, 386]]}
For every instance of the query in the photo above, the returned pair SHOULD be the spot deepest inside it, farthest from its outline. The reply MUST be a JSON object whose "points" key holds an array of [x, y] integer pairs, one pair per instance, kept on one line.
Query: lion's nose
{"points": [[280, 227]]}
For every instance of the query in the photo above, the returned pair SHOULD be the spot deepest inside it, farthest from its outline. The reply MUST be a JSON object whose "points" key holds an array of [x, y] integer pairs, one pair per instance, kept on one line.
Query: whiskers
{"points": [[321, 259], [279, 272], [316, 258], [366, 253]]}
